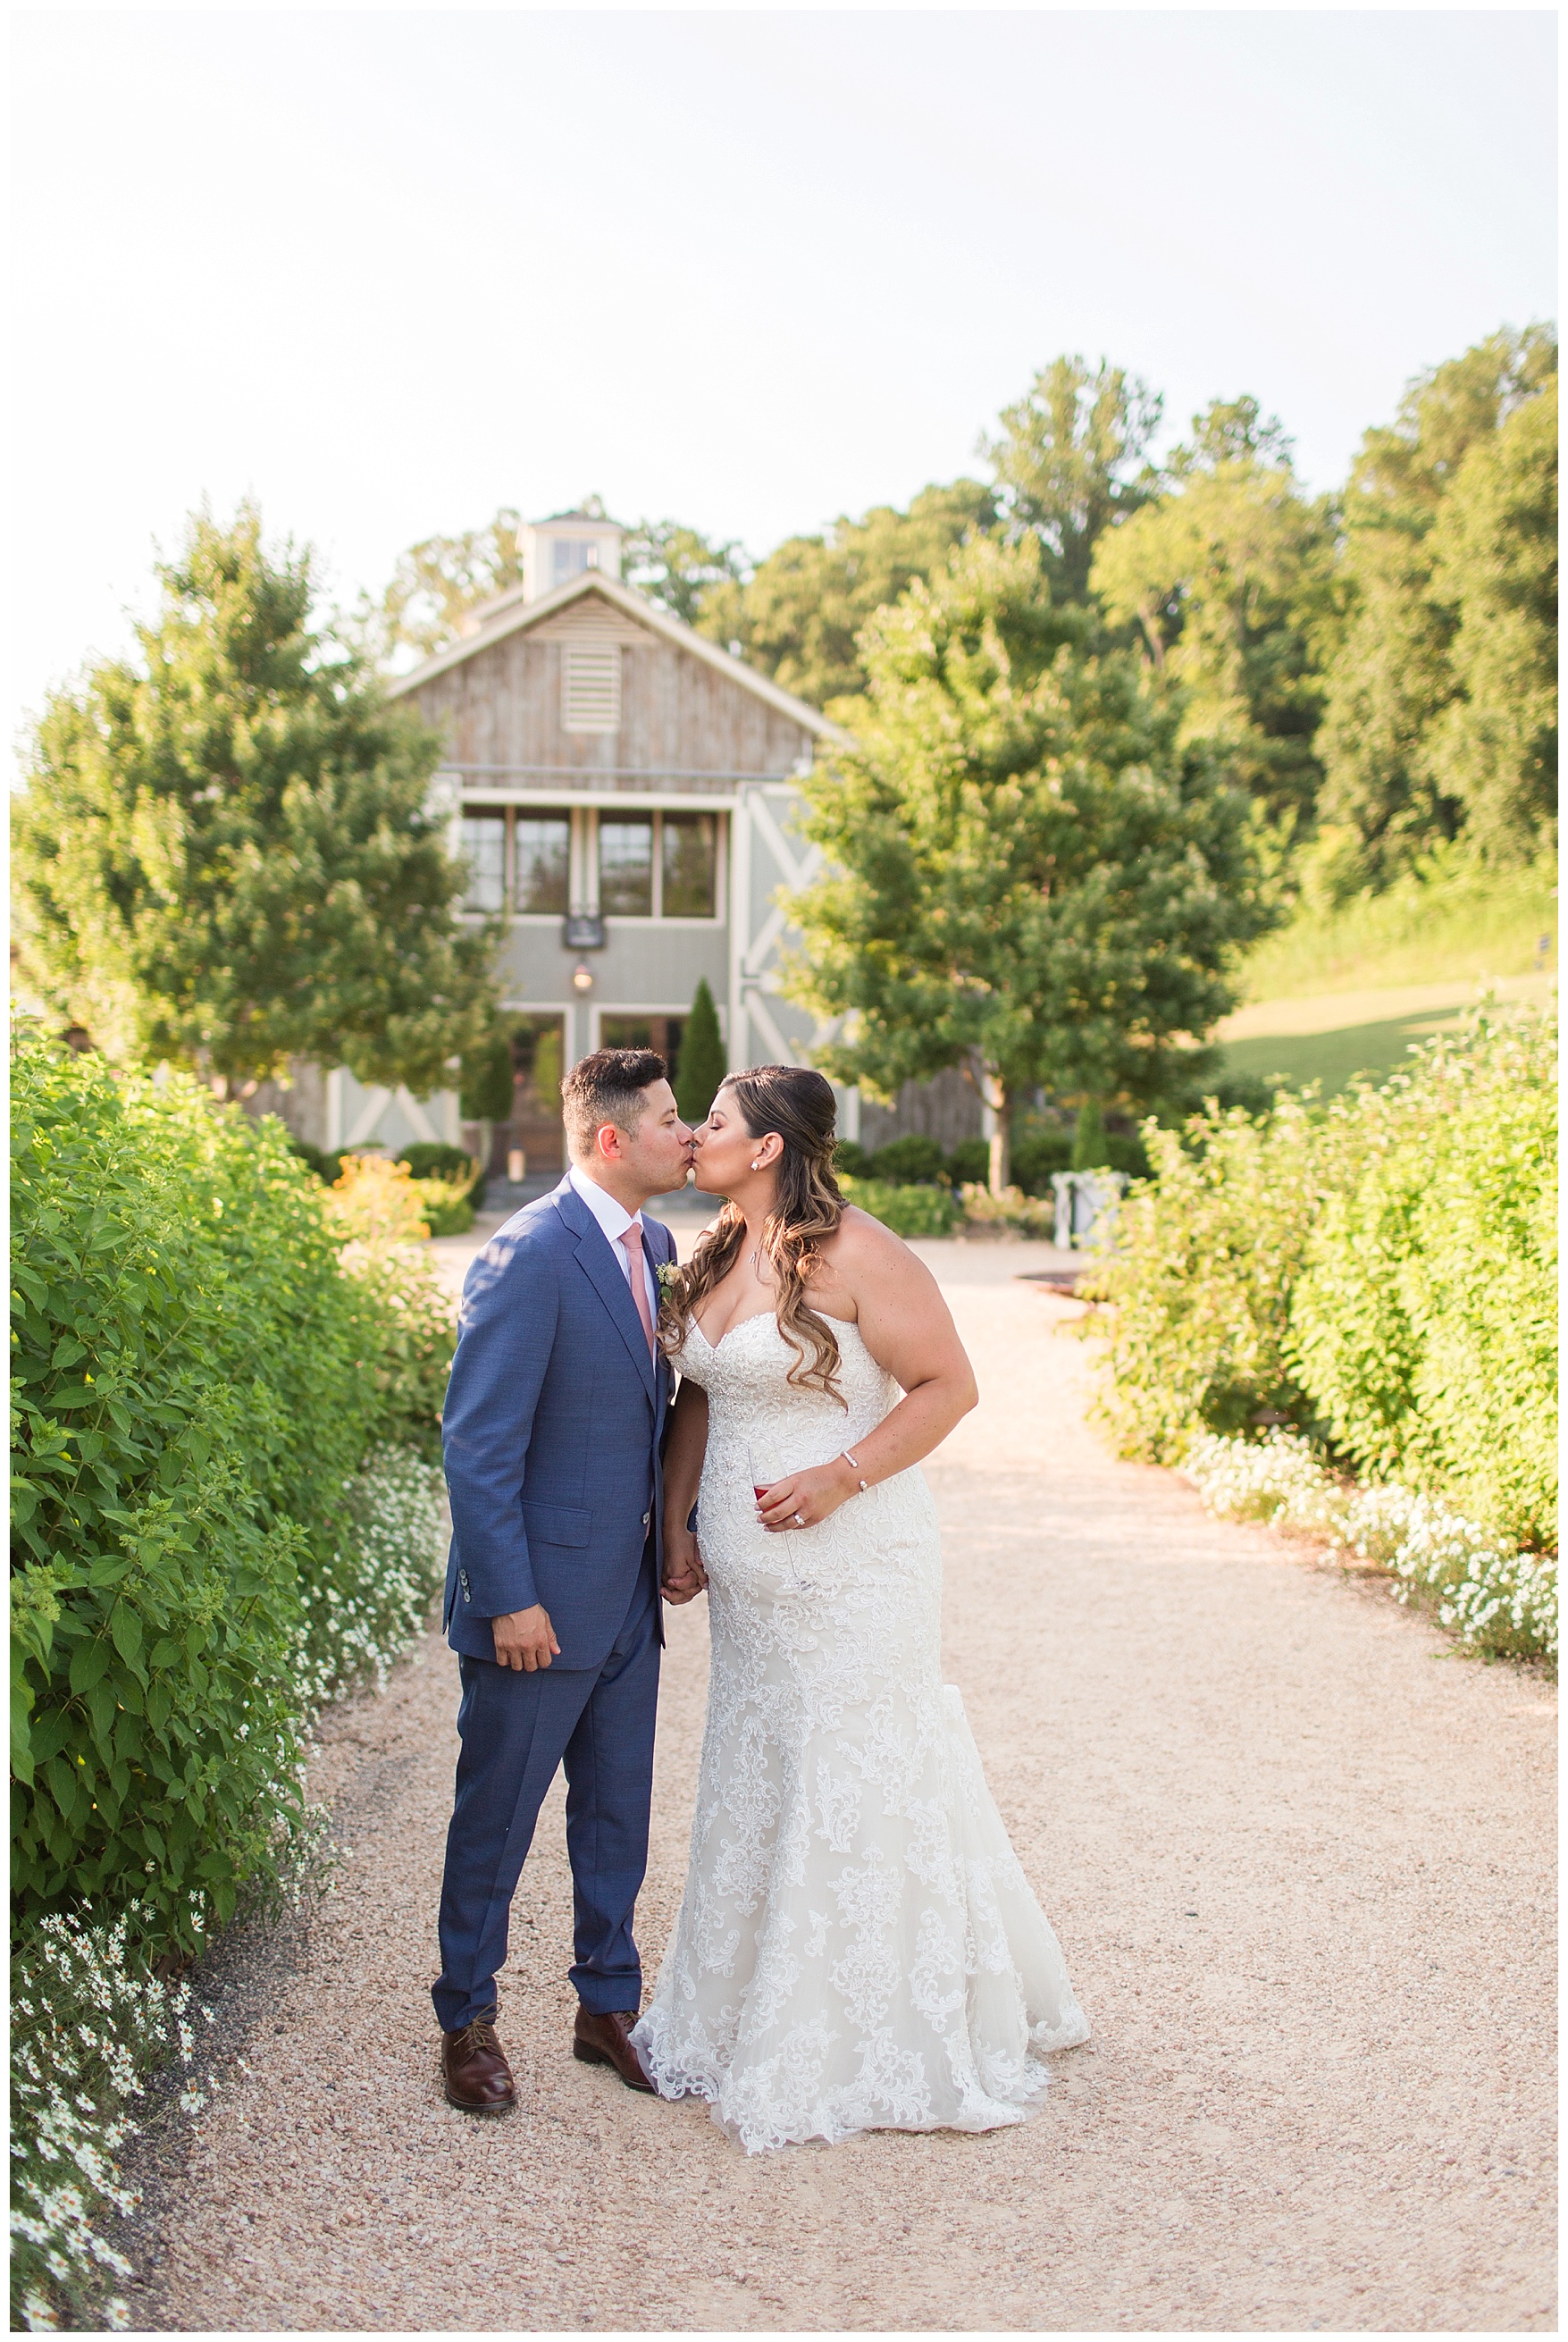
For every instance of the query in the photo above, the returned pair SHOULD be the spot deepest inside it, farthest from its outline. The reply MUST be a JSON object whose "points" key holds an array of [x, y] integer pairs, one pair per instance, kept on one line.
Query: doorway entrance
{"points": [[538, 1062], [643, 1032]]}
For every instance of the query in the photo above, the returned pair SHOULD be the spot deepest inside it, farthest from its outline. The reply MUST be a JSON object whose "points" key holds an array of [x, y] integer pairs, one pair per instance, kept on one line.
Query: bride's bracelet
{"points": [[854, 1463]]}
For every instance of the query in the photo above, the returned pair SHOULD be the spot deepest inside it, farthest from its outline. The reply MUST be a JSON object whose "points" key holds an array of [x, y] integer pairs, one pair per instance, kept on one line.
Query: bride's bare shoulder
{"points": [[861, 1248]]}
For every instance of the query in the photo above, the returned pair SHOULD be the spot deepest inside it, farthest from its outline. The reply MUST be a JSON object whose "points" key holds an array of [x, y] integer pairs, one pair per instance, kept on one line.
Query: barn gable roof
{"points": [[508, 614]]}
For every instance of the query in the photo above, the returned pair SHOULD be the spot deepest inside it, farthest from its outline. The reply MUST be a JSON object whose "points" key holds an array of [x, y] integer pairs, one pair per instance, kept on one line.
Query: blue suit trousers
{"points": [[516, 1729]]}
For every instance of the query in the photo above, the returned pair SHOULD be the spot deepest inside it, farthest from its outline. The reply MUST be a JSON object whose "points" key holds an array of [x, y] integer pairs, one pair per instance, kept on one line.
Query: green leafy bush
{"points": [[1035, 1156], [969, 1161], [327, 1168], [910, 1162], [427, 1158], [850, 1160], [1207, 1255], [1379, 1273], [907, 1211], [1424, 1321], [197, 1382]]}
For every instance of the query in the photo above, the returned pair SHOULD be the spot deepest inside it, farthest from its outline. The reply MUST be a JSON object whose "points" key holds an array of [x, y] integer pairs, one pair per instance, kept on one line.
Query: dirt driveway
{"points": [[1299, 1855]]}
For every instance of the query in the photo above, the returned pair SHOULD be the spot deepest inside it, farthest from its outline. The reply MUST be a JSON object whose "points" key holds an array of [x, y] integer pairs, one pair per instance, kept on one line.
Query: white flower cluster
{"points": [[377, 1592], [1492, 1597], [87, 2022], [86, 2025]]}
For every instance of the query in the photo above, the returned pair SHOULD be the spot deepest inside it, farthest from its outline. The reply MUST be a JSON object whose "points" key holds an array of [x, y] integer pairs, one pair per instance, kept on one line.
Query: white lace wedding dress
{"points": [[858, 1947]]}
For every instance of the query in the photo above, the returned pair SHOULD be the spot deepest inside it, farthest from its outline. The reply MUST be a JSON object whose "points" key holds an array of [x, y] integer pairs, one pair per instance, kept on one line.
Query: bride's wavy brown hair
{"points": [[799, 1106]]}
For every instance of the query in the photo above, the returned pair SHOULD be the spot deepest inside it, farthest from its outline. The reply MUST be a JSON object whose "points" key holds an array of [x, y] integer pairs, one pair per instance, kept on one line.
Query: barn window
{"points": [[590, 688], [542, 861], [659, 866], [626, 868], [485, 851], [690, 864]]}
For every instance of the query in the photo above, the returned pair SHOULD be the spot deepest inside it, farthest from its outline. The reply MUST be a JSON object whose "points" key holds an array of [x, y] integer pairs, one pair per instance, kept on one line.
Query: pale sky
{"points": [[386, 270]]}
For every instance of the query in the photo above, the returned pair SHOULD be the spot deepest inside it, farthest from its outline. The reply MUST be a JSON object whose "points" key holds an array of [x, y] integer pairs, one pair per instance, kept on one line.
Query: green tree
{"points": [[1494, 568], [1230, 576], [1392, 674], [1070, 460], [1029, 877], [223, 855], [678, 568], [437, 584], [703, 1063], [798, 617]]}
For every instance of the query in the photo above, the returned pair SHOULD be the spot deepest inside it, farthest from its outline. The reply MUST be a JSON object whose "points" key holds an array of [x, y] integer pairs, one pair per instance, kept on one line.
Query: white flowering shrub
{"points": [[89, 2018], [87, 2021], [1494, 1597], [372, 1599]]}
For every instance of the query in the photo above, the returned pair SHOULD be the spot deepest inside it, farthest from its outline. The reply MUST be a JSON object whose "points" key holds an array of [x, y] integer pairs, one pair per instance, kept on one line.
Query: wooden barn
{"points": [[625, 793]]}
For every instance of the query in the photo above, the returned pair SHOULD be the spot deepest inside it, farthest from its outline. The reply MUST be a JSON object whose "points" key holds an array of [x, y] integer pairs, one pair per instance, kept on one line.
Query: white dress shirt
{"points": [[614, 1219]]}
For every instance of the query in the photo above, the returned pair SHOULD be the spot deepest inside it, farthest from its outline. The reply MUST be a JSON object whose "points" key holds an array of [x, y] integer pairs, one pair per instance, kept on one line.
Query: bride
{"points": [[858, 1947]]}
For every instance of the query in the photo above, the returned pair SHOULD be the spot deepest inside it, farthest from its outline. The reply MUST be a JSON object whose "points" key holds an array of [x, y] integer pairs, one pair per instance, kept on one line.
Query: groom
{"points": [[552, 1430]]}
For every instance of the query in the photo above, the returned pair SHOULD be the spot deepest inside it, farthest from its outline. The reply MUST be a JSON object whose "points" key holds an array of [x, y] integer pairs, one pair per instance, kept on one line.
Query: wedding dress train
{"points": [[858, 1947]]}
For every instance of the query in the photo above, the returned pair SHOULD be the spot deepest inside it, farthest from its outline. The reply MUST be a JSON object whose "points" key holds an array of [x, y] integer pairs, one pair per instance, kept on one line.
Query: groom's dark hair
{"points": [[607, 1086]]}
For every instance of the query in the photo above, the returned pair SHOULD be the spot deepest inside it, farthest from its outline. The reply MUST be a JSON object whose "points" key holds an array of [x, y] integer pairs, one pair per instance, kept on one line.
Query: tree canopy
{"points": [[1229, 575], [1071, 461], [799, 615], [437, 584], [1400, 772], [1029, 876], [678, 568], [222, 854]]}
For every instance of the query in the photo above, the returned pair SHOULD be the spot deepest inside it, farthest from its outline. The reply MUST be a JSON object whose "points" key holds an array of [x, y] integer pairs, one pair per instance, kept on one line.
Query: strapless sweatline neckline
{"points": [[765, 1317]]}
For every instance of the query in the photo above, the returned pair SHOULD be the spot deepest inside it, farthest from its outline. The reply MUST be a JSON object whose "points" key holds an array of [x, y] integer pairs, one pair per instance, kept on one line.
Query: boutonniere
{"points": [[666, 1272]]}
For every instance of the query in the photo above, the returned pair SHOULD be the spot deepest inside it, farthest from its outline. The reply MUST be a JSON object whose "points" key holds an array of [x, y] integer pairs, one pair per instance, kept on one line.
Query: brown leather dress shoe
{"points": [[607, 2041], [475, 2071]]}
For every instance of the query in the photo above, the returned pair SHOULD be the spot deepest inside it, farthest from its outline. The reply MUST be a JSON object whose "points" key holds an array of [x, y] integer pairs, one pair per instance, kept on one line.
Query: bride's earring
{"points": [[756, 1167]]}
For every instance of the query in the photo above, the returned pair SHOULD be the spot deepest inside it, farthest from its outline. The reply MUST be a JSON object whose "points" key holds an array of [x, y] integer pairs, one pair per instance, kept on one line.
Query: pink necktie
{"points": [[633, 1240]]}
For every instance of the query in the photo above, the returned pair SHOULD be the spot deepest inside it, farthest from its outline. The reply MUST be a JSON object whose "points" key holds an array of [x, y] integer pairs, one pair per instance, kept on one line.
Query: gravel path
{"points": [[1299, 1855]]}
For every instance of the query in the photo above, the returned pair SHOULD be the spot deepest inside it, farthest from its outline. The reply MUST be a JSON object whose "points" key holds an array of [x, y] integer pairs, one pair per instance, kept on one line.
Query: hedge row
{"points": [[226, 1507], [198, 1386], [1378, 1274]]}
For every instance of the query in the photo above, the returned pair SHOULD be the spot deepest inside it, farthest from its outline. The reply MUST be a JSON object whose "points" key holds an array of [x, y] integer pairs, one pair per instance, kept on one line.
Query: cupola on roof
{"points": [[556, 550]]}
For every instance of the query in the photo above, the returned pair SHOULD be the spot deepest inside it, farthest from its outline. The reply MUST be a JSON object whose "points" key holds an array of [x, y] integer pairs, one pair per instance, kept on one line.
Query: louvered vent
{"points": [[591, 689]]}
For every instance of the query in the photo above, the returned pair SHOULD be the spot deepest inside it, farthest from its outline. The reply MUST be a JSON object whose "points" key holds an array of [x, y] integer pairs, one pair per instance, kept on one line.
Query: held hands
{"points": [[803, 1498], [525, 1639], [684, 1577]]}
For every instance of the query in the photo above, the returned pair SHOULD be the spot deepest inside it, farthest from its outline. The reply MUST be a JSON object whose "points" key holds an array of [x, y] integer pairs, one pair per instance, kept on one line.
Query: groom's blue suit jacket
{"points": [[552, 1431]]}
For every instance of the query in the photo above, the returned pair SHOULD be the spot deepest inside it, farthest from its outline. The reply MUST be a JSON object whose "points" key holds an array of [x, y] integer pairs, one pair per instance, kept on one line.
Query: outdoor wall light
{"points": [[581, 977]]}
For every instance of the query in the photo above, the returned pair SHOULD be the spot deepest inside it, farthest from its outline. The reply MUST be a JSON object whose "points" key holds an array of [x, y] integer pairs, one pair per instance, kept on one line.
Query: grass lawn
{"points": [[1458, 922], [1333, 1039]]}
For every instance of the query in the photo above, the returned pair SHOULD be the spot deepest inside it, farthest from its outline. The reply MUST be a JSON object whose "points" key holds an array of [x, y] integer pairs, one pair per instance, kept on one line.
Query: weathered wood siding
{"points": [[502, 708]]}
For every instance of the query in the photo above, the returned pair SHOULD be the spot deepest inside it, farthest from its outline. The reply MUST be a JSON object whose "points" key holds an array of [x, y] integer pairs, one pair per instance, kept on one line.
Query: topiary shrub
{"points": [[700, 1071]]}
